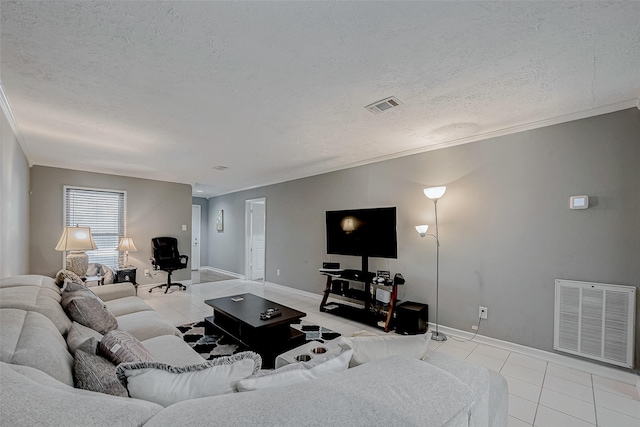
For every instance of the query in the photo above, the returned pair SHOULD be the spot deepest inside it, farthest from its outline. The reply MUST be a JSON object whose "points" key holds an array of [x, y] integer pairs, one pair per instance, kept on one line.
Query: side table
{"points": [[126, 274]]}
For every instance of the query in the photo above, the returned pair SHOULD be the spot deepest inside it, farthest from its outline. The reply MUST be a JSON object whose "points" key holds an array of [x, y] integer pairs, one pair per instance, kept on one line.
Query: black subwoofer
{"points": [[411, 318]]}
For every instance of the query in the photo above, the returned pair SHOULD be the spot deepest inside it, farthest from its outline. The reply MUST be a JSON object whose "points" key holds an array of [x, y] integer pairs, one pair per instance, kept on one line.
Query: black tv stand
{"points": [[363, 310]]}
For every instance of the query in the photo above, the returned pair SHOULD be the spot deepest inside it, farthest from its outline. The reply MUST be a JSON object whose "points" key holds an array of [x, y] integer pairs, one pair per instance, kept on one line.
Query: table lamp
{"points": [[126, 245], [76, 240]]}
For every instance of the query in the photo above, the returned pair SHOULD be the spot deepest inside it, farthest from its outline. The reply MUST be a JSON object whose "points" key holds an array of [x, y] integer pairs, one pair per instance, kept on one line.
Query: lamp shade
{"points": [[422, 229], [126, 244], [434, 193], [76, 239]]}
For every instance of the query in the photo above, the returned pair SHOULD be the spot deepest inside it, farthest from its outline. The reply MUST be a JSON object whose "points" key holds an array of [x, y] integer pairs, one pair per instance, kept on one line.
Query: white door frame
{"points": [[248, 236], [195, 259]]}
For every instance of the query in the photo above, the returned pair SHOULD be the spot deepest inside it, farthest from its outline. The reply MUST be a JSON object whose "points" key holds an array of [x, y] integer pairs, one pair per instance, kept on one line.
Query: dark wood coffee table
{"points": [[241, 321]]}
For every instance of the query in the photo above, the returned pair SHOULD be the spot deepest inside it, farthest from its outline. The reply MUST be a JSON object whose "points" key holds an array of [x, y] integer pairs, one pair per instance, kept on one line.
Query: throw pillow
{"points": [[120, 347], [290, 374], [368, 348], [83, 306], [68, 275], [95, 373], [79, 335], [165, 384]]}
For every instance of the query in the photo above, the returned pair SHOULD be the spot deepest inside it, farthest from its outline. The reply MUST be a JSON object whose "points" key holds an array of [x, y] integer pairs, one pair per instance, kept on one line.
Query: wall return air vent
{"points": [[595, 320], [383, 105]]}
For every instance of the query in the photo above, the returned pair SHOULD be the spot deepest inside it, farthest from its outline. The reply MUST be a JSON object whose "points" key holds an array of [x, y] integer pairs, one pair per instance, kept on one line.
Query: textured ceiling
{"points": [[275, 90]]}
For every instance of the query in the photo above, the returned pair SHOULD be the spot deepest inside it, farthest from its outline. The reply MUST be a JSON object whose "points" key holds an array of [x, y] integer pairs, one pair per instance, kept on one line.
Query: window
{"points": [[104, 212]]}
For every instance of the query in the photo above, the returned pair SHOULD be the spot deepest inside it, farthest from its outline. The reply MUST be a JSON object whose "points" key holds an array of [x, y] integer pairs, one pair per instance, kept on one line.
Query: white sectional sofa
{"points": [[37, 384]]}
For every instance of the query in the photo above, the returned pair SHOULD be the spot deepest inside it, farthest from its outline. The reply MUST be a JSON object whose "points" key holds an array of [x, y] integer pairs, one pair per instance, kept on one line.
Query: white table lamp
{"points": [[126, 245], [76, 240]]}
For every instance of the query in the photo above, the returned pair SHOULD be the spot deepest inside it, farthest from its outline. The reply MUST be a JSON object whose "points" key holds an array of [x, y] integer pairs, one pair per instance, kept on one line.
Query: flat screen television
{"points": [[363, 232]]}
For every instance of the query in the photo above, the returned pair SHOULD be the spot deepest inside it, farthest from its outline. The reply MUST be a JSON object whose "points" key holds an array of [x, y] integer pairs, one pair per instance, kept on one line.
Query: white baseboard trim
{"points": [[300, 292], [560, 359], [221, 271]]}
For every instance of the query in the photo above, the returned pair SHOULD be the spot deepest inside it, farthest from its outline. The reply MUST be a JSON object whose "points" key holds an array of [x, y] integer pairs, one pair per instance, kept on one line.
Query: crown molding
{"points": [[584, 114], [8, 113]]}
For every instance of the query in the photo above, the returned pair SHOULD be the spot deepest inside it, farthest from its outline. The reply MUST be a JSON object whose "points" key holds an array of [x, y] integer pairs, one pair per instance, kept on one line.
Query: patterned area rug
{"points": [[209, 346], [212, 346]]}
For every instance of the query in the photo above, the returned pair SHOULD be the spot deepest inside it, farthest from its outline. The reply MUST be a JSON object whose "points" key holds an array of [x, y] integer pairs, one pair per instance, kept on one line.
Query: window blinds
{"points": [[103, 211]]}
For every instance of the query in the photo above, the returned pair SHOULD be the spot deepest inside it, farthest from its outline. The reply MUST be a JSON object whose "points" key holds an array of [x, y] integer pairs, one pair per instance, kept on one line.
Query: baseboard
{"points": [[221, 271], [560, 359], [300, 292]]}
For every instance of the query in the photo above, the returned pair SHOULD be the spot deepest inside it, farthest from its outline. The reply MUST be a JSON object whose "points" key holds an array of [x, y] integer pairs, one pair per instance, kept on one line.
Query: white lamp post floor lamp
{"points": [[434, 193]]}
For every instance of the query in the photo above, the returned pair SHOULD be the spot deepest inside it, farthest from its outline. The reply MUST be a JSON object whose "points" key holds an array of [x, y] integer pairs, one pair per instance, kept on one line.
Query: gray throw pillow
{"points": [[120, 347], [83, 306], [95, 373], [79, 335]]}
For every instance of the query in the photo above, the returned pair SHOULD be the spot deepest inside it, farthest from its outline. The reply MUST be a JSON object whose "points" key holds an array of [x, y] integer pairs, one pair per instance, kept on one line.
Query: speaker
{"points": [[411, 318]]}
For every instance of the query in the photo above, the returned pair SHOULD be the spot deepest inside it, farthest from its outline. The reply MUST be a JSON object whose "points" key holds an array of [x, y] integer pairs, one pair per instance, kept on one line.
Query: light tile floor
{"points": [[541, 393]]}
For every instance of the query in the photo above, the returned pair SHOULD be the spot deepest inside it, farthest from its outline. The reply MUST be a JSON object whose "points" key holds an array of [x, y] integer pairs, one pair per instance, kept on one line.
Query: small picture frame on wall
{"points": [[220, 220]]}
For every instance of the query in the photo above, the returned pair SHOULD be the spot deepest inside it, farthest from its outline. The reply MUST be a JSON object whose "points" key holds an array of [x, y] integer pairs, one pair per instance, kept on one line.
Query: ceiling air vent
{"points": [[383, 105]]}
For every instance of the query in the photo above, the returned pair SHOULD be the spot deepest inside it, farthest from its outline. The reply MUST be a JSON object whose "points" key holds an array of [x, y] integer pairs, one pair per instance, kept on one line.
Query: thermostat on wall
{"points": [[579, 202]]}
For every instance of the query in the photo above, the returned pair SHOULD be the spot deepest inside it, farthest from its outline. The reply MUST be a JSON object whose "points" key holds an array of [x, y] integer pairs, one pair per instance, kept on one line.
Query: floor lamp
{"points": [[434, 193]]}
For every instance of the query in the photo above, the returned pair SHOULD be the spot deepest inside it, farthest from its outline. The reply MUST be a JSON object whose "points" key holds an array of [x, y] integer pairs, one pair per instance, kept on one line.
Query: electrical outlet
{"points": [[474, 327], [146, 272], [277, 272], [482, 312]]}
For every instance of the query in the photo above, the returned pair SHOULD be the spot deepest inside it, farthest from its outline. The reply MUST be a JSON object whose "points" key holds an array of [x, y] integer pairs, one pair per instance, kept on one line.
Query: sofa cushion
{"points": [[473, 375], [86, 308], [120, 347], [114, 291], [29, 397], [146, 324], [29, 338], [41, 298], [95, 373], [165, 384], [368, 348], [172, 350], [127, 305], [29, 280], [335, 361], [415, 394], [79, 335]]}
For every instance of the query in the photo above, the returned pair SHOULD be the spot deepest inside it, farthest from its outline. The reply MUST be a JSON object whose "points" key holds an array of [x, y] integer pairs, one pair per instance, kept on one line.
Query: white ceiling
{"points": [[275, 90]]}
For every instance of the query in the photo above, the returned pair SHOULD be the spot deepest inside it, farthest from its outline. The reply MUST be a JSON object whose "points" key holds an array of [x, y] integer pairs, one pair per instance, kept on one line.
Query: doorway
{"points": [[195, 236], [255, 243]]}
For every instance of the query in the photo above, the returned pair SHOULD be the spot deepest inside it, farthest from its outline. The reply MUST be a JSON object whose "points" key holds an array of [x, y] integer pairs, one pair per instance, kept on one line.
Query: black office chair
{"points": [[167, 258]]}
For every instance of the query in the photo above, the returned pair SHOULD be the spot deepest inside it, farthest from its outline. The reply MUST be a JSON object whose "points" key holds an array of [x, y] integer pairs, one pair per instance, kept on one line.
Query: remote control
{"points": [[270, 314]]}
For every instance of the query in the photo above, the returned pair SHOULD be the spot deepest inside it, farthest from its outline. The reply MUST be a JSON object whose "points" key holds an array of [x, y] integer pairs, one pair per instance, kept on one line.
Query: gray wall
{"points": [[506, 229], [14, 204], [154, 208], [204, 229]]}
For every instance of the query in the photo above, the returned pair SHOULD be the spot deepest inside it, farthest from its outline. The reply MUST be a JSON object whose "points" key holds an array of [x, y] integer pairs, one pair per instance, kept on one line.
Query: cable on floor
{"points": [[474, 335]]}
